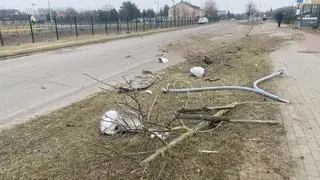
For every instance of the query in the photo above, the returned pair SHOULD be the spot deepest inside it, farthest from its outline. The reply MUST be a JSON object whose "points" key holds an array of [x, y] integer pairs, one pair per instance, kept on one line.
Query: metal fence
{"points": [[310, 15], [29, 32]]}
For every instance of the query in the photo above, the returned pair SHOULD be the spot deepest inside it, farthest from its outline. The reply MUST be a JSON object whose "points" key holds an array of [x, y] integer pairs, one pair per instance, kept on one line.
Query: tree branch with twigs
{"points": [[156, 131], [251, 9]]}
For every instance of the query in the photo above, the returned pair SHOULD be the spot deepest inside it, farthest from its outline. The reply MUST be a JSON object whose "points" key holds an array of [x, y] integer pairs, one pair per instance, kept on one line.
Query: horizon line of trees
{"points": [[128, 11]]}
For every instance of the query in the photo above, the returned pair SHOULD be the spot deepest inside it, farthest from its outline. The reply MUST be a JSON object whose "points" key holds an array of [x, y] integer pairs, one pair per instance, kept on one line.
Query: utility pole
{"points": [[50, 11]]}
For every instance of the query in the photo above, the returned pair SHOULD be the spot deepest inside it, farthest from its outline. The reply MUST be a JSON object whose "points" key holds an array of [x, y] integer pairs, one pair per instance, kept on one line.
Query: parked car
{"points": [[203, 20]]}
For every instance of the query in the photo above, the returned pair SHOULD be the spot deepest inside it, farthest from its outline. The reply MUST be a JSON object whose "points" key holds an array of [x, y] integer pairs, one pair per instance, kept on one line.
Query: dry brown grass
{"points": [[67, 145]]}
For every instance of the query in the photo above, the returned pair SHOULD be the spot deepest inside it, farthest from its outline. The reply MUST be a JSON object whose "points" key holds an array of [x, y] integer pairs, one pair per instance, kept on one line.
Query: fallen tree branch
{"points": [[217, 108], [175, 118], [203, 117], [208, 152], [270, 122], [210, 130], [153, 103], [100, 81], [189, 133], [213, 119]]}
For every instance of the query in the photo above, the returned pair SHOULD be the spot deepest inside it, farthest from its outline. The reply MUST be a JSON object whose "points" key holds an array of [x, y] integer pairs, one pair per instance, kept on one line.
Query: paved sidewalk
{"points": [[302, 117]]}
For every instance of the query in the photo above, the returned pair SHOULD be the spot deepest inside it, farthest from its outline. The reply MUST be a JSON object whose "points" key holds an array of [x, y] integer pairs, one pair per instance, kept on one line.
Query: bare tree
{"points": [[251, 9], [166, 10], [70, 13], [107, 7], [210, 8]]}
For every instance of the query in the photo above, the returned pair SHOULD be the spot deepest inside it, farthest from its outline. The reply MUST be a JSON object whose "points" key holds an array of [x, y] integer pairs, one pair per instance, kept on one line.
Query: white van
{"points": [[203, 20]]}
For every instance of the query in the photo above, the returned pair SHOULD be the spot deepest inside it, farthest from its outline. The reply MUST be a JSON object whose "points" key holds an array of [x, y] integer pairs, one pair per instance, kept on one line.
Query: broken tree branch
{"points": [[189, 133], [217, 108], [210, 130], [153, 103], [202, 117], [270, 122], [175, 118], [226, 119], [100, 81]]}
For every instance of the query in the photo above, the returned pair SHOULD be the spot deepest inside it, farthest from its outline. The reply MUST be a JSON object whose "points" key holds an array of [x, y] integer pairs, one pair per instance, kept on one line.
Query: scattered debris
{"points": [[189, 132], [187, 110], [208, 152], [120, 120], [147, 72], [198, 71], [149, 92], [208, 60], [202, 117], [70, 125], [213, 119], [230, 51], [230, 65], [139, 83], [160, 55], [256, 139], [163, 60], [309, 52], [270, 122], [301, 157], [163, 135], [164, 50], [212, 80]]}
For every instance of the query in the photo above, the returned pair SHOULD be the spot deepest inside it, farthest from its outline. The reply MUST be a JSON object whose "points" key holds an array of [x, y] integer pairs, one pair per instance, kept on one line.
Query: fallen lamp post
{"points": [[254, 89]]}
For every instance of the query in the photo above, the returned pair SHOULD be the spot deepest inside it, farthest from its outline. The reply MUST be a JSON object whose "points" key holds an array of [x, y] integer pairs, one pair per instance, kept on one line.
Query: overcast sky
{"points": [[235, 6]]}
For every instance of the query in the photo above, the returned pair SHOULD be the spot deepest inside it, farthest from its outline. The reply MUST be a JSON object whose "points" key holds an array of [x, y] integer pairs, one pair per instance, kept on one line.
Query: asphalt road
{"points": [[40, 83]]}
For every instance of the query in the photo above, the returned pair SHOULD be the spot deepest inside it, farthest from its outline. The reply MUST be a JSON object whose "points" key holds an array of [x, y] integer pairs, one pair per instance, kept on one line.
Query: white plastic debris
{"points": [[109, 122], [163, 60], [120, 121], [149, 91], [198, 71], [163, 135]]}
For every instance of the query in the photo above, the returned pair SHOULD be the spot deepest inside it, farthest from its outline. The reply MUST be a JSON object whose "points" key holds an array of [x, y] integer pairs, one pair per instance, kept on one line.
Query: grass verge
{"points": [[66, 144]]}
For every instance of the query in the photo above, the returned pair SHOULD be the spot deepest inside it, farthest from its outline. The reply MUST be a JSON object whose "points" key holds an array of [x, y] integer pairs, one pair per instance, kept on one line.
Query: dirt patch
{"points": [[67, 145]]}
